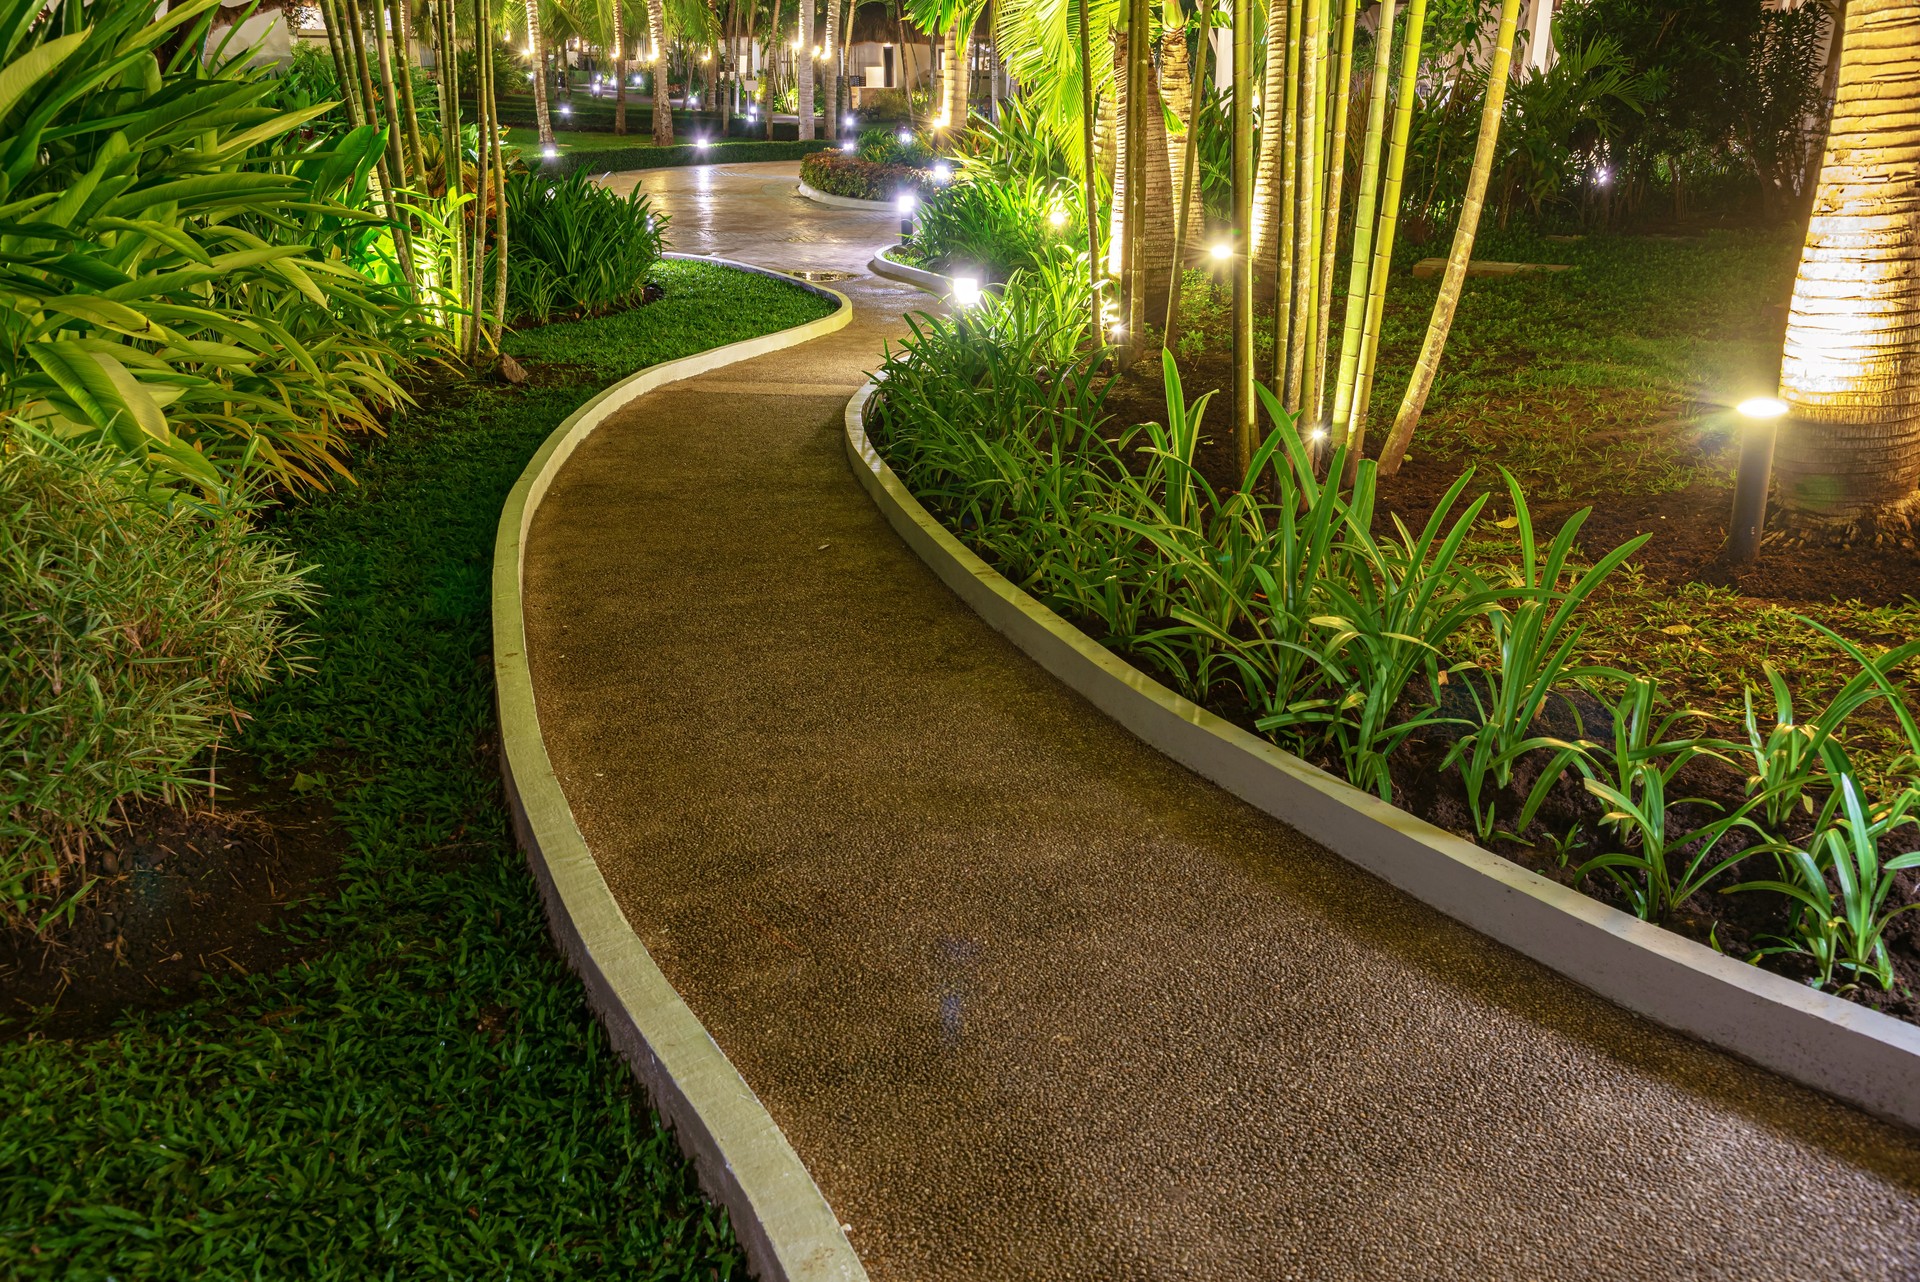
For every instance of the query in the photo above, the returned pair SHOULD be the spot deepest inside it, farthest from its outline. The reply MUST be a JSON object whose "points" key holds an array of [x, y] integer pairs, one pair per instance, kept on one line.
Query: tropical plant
{"points": [[1535, 630], [134, 622], [1840, 885], [839, 174], [173, 282], [993, 228], [1656, 868], [581, 248]]}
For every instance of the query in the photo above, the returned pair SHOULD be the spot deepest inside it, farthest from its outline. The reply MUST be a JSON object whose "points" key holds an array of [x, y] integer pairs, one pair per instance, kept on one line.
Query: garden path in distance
{"points": [[1030, 1000]]}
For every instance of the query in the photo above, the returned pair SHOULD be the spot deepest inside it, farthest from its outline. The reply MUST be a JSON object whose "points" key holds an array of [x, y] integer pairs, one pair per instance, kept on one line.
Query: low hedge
{"points": [[615, 159], [595, 115], [839, 174]]}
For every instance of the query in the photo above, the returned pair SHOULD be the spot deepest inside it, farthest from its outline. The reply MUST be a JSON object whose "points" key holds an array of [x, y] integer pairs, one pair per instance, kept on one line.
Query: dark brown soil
{"points": [[181, 895], [1689, 525]]}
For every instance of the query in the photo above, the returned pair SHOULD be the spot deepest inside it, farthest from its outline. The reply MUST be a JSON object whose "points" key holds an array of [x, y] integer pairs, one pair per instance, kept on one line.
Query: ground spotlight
{"points": [[1221, 249], [1057, 217], [942, 171], [966, 291]]}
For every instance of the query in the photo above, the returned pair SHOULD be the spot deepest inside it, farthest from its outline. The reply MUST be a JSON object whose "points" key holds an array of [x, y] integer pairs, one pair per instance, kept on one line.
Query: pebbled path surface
{"points": [[1030, 1000]]}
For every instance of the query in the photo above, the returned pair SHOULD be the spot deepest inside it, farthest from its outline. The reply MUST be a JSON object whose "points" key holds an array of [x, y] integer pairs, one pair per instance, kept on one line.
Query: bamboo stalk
{"points": [[1389, 221], [403, 37], [1428, 366], [1139, 54], [450, 162], [483, 122], [1090, 168], [1342, 90], [330, 14], [1189, 166], [1243, 403], [390, 101], [1364, 223], [1289, 126], [387, 165], [1307, 219]]}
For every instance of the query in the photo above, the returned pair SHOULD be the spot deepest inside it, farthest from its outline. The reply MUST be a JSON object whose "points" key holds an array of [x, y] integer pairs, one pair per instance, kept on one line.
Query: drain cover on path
{"points": [[820, 276]]}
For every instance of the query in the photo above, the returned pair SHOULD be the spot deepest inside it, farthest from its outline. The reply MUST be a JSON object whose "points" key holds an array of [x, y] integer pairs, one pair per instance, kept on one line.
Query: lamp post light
{"points": [[1760, 428], [905, 203]]}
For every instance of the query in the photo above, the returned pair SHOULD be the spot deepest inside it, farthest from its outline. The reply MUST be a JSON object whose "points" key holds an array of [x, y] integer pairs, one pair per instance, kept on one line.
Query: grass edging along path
{"points": [[779, 1215], [1858, 1055], [421, 1092]]}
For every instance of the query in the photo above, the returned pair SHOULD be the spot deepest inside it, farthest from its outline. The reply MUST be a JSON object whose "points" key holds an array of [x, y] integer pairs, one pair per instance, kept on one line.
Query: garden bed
{"points": [[426, 1048]]}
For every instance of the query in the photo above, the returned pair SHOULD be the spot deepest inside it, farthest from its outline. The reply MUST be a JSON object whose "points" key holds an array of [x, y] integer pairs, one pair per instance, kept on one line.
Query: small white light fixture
{"points": [[566, 109], [1317, 435], [1764, 408], [551, 153], [942, 171], [1057, 217], [707, 56], [1117, 331], [1221, 249], [906, 202], [904, 137], [966, 291], [694, 102], [849, 146], [700, 144], [1604, 176], [852, 121]]}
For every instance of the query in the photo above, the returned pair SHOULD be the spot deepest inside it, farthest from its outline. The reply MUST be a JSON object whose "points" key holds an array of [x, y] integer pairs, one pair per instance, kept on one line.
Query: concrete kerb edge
{"points": [[1855, 1054], [779, 1215], [920, 277], [843, 202]]}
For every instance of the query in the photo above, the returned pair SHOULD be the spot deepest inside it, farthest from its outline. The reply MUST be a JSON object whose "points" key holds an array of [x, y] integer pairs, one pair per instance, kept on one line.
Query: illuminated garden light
{"points": [[551, 153], [905, 203], [1057, 217], [966, 291], [1763, 407], [904, 137], [1221, 250], [849, 146], [942, 171]]}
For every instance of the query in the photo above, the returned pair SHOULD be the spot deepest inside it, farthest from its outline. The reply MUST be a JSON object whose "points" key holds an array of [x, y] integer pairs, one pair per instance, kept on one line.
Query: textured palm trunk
{"points": [[537, 53], [1155, 243], [830, 69], [1850, 371], [1428, 365], [619, 72], [657, 73], [771, 43], [1176, 86], [953, 79], [1269, 167], [803, 61]]}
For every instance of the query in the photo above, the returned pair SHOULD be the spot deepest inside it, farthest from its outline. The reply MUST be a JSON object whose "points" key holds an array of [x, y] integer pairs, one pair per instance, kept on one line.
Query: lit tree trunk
{"points": [[1850, 372], [830, 69], [657, 74], [1244, 430], [619, 71], [1269, 172], [803, 61], [1428, 366], [403, 37], [1364, 223], [1176, 86], [1156, 227], [1341, 90], [537, 52], [768, 52], [953, 79]]}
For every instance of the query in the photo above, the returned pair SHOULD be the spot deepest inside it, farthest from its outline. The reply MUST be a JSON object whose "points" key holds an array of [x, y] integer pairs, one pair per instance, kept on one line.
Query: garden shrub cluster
{"points": [[1281, 604], [134, 623], [860, 176], [577, 247], [618, 159]]}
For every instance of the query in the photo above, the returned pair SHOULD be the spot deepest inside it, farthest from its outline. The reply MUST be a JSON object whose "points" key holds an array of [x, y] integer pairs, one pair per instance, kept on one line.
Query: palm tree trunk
{"points": [[1150, 237], [657, 74], [1850, 371], [1244, 413], [619, 71], [1287, 123], [830, 69], [1090, 176], [537, 53], [1176, 85], [1184, 218], [803, 63], [1267, 195], [1424, 369], [769, 46]]}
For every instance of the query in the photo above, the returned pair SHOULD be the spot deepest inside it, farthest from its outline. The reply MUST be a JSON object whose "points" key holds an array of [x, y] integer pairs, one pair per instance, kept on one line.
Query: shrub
{"points": [[616, 159], [575, 246], [882, 146], [131, 623], [998, 228], [838, 174]]}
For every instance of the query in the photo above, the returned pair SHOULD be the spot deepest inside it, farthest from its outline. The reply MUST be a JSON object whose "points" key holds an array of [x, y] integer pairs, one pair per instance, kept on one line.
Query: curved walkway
{"points": [[1030, 1000]]}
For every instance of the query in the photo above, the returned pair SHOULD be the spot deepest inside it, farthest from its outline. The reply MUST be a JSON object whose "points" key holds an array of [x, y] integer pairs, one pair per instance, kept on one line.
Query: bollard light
{"points": [[551, 153], [1057, 217], [1760, 428], [942, 171], [904, 137], [966, 291], [852, 121], [849, 146], [566, 109], [700, 144], [905, 203]]}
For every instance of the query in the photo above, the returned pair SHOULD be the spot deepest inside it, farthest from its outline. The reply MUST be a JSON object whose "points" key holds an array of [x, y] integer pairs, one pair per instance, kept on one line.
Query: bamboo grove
{"points": [[1291, 93]]}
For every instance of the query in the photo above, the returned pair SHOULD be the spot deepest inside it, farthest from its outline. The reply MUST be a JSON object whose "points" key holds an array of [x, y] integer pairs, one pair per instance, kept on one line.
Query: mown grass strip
{"points": [[426, 1095]]}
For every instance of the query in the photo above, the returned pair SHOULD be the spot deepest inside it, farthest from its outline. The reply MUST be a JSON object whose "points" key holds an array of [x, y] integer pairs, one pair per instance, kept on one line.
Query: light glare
{"points": [[1763, 407], [1221, 249], [966, 291]]}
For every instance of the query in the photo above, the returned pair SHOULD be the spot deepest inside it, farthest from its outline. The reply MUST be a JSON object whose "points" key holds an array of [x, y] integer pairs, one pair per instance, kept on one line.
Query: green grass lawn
{"points": [[426, 1095], [528, 139]]}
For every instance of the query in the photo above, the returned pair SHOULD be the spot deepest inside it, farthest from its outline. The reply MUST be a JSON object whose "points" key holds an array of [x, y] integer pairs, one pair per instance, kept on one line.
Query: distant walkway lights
{"points": [[905, 202], [1759, 428]]}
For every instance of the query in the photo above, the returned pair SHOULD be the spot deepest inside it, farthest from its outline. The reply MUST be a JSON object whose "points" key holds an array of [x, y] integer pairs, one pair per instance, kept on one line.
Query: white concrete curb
{"points": [[932, 282], [745, 1163], [1858, 1055], [843, 202]]}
